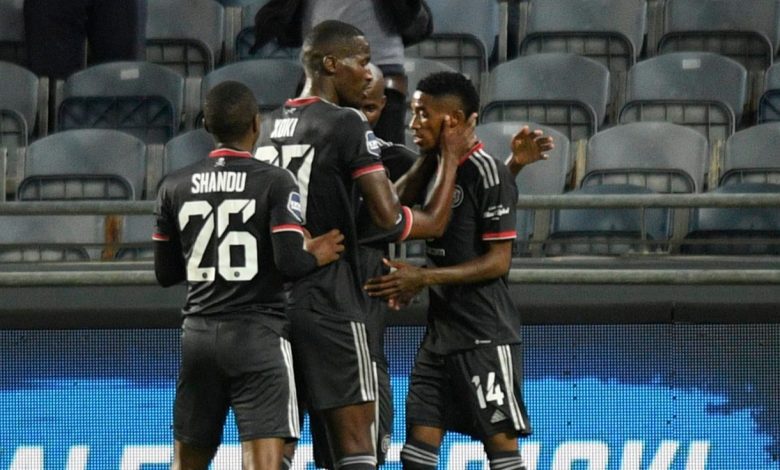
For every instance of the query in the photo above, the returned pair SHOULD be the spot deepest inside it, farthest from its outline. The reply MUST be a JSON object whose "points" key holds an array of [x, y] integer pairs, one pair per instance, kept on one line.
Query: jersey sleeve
{"points": [[498, 201], [360, 147], [368, 233], [165, 218], [285, 202]]}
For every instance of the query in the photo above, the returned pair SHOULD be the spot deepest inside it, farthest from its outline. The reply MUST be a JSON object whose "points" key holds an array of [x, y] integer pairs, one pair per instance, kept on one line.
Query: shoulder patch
{"points": [[294, 205], [373, 143]]}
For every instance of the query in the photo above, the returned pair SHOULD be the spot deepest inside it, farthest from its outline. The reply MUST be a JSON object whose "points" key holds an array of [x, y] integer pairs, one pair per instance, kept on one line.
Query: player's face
{"points": [[428, 114], [352, 74], [374, 102]]}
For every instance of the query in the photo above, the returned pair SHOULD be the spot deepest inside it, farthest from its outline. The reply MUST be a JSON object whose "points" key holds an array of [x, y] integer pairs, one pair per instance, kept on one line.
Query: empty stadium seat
{"points": [[186, 149], [464, 32], [84, 164], [541, 178], [745, 32], [608, 231], [51, 238], [12, 32], [140, 98], [753, 156], [185, 35], [664, 157], [769, 102], [564, 91], [273, 81], [735, 231], [700, 90], [136, 238]]}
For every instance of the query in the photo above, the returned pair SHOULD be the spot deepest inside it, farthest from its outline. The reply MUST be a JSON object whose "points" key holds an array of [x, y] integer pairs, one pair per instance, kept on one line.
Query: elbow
{"points": [[386, 221]]}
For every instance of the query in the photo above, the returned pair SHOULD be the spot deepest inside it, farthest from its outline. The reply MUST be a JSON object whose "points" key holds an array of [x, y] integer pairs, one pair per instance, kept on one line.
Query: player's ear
{"points": [[329, 63], [457, 118]]}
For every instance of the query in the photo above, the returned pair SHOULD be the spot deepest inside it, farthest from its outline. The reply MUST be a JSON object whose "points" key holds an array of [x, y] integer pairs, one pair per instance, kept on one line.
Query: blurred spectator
{"points": [[55, 31]]}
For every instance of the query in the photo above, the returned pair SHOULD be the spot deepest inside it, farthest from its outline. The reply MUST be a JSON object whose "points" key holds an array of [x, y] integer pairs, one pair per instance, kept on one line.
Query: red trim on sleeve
{"points": [[160, 237], [507, 235], [477, 146], [224, 152], [287, 228], [408, 223], [302, 101], [367, 169]]}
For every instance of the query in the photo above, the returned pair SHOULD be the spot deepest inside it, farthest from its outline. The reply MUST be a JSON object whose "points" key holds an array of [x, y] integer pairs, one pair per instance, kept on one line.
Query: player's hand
{"points": [[326, 248], [456, 141], [399, 301], [403, 282], [528, 147]]}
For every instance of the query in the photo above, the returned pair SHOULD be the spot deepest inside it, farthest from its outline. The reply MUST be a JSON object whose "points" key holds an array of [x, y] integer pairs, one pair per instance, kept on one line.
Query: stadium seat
{"points": [[140, 98], [136, 238], [186, 149], [745, 32], [735, 230], [700, 90], [51, 238], [273, 81], [608, 231], [769, 102], [84, 164], [245, 38], [564, 91], [185, 35], [19, 102], [541, 178], [417, 68], [12, 32], [608, 31], [753, 156], [664, 157], [464, 33]]}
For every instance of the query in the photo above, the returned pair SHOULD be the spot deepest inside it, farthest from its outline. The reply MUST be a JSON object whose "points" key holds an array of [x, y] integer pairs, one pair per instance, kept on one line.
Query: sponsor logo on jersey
{"points": [[436, 251], [220, 163], [495, 212], [457, 196], [372, 143], [294, 205], [218, 182]]}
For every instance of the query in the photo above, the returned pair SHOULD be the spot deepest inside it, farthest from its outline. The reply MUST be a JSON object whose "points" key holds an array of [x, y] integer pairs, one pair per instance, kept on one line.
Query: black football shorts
{"points": [[234, 360], [477, 392]]}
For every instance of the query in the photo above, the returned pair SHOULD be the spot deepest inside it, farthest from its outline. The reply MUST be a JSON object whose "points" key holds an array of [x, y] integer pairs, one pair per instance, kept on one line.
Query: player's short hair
{"points": [[454, 84], [331, 37], [229, 110]]}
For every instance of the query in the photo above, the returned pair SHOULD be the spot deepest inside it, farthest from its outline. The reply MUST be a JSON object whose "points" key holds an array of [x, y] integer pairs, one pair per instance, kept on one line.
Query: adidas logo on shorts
{"points": [[497, 416]]}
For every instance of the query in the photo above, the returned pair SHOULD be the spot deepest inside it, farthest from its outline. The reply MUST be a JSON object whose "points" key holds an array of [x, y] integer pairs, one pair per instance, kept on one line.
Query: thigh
{"points": [[427, 399], [333, 356], [202, 400], [259, 366], [488, 381]]}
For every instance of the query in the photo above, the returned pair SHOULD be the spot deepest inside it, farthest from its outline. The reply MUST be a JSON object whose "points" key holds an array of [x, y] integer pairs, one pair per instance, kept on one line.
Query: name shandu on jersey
{"points": [[218, 182]]}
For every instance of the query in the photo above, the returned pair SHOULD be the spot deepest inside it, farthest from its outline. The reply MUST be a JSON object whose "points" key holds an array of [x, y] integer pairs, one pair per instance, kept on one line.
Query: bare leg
{"points": [[187, 457], [262, 454], [350, 429]]}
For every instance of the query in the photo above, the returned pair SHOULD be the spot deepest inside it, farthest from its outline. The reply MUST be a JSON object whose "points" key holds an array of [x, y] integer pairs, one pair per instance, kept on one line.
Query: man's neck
{"points": [[320, 88]]}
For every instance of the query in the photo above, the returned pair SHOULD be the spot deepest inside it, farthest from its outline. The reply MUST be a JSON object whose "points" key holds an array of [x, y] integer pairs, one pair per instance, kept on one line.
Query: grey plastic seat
{"points": [[84, 164], [186, 149], [735, 231], [608, 31], [51, 238], [564, 91], [748, 33], [141, 98], [753, 156], [464, 33], [185, 35], [136, 238], [273, 81], [245, 38], [701, 90], [18, 115], [12, 32], [664, 157], [608, 231], [541, 178], [769, 102]]}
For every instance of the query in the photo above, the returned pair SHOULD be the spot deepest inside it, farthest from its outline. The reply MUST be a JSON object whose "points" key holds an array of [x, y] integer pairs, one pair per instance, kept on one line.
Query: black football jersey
{"points": [[223, 211], [483, 210], [327, 147]]}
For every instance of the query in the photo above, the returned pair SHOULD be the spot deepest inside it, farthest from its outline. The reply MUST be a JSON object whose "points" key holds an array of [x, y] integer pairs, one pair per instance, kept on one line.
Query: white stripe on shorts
{"points": [[505, 359], [292, 403], [365, 368]]}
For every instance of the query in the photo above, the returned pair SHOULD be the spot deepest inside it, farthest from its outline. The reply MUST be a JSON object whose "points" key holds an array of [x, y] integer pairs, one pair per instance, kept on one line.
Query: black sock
{"points": [[286, 463], [357, 462], [510, 460], [417, 455]]}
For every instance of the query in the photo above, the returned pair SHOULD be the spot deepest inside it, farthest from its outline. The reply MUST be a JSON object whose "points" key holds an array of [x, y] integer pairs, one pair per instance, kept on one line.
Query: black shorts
{"points": [[333, 365], [234, 361], [477, 392], [383, 416]]}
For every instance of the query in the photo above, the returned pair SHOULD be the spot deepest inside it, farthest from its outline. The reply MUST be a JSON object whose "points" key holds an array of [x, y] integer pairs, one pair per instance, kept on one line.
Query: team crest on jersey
{"points": [[457, 196], [372, 142], [220, 162], [294, 206]]}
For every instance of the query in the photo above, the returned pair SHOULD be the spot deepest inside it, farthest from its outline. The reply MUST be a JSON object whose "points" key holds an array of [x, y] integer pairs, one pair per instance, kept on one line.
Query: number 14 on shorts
{"points": [[492, 391]]}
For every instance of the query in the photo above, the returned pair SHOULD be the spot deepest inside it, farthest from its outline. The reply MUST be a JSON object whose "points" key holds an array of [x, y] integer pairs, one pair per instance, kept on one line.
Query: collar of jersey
{"points": [[226, 152], [478, 146], [302, 101]]}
